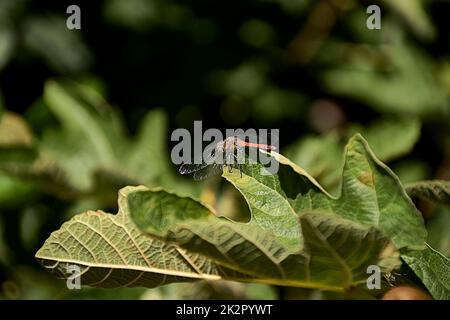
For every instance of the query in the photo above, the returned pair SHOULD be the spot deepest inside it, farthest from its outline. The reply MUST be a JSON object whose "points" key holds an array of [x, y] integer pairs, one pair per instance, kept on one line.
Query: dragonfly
{"points": [[228, 152]]}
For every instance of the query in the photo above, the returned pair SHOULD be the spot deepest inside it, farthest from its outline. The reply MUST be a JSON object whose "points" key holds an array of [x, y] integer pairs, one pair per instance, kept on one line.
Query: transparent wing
{"points": [[208, 171], [188, 168]]}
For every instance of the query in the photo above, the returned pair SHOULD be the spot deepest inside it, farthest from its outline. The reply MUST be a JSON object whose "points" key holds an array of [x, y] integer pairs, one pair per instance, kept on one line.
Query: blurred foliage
{"points": [[310, 68], [438, 235]]}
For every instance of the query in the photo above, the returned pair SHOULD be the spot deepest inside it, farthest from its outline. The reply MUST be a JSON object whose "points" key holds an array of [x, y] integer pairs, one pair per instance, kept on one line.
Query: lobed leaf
{"points": [[329, 258], [371, 194], [112, 252]]}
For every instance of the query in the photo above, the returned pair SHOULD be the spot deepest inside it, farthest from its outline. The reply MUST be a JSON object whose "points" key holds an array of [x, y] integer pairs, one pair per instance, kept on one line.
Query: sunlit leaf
{"points": [[325, 259], [111, 252]]}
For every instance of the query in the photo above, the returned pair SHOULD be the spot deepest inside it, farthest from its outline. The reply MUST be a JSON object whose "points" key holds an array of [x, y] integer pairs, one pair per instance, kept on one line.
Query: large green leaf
{"points": [[112, 252], [370, 180], [433, 269], [327, 259], [432, 190]]}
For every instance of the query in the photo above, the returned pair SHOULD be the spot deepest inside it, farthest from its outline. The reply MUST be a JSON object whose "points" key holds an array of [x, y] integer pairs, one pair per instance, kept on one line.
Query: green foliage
{"points": [[433, 269], [321, 155], [113, 253], [414, 13], [402, 135], [406, 84], [438, 235], [89, 155], [298, 234]]}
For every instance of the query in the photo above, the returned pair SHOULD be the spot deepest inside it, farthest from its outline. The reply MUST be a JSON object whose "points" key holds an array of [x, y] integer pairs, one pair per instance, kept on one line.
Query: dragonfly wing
{"points": [[208, 171], [187, 168]]}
